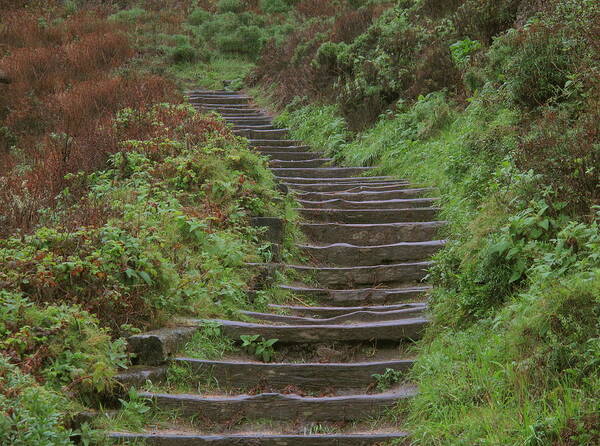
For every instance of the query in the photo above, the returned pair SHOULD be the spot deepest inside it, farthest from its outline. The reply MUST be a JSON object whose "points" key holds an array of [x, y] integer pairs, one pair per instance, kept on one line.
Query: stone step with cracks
{"points": [[372, 234], [394, 330], [365, 195], [293, 156], [284, 149], [363, 216], [321, 172], [274, 406], [345, 254], [337, 181], [169, 438], [331, 312], [315, 162], [399, 203], [307, 376], [239, 121], [350, 276], [321, 186], [347, 318], [343, 298], [276, 143], [274, 135], [223, 99]]}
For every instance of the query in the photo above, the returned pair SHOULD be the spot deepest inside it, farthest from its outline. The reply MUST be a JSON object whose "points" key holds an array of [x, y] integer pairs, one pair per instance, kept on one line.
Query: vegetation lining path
{"points": [[369, 241]]}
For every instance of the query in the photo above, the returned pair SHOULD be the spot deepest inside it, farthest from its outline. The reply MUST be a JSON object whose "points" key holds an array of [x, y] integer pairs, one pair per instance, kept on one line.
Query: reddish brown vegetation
{"points": [[58, 109]]}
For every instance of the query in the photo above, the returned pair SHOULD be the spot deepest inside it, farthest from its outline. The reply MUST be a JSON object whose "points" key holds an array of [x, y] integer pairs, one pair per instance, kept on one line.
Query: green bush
{"points": [[230, 6], [244, 40], [198, 16], [132, 15], [274, 6], [183, 54]]}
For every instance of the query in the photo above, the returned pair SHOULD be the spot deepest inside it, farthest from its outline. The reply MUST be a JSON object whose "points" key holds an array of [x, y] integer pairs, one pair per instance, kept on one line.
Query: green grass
{"points": [[211, 74]]}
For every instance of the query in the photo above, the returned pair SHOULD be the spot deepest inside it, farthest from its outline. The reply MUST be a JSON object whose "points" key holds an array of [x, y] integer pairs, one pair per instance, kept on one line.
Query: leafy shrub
{"points": [[131, 16], [462, 50], [198, 16], [230, 6], [184, 54], [32, 414], [244, 40], [274, 6]]}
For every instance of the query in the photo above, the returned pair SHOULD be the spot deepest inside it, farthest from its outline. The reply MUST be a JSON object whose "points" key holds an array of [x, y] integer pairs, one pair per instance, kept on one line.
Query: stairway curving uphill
{"points": [[370, 240]]}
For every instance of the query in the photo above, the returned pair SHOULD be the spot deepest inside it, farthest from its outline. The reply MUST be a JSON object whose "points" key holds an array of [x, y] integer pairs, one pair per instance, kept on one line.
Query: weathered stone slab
{"points": [[258, 439], [307, 376], [348, 187], [276, 406], [155, 347], [372, 234], [376, 204], [364, 195], [362, 216], [276, 142], [344, 254], [330, 312], [395, 330], [362, 316], [312, 162], [321, 172], [275, 228]]}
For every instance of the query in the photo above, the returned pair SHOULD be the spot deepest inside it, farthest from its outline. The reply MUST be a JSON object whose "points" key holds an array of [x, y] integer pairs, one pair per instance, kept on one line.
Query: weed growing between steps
{"points": [[511, 356]]}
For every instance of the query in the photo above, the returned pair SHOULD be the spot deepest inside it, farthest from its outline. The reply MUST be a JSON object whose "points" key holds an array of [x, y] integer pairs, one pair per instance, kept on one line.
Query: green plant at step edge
{"points": [[262, 349], [387, 379]]}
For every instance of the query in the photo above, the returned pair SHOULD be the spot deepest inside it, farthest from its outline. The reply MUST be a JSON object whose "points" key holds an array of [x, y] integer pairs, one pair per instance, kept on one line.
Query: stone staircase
{"points": [[370, 240]]}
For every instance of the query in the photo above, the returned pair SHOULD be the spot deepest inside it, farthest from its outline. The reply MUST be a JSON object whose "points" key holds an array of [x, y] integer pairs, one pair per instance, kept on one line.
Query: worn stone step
{"points": [[343, 298], [372, 234], [399, 203], [275, 134], [321, 172], [346, 186], [364, 195], [247, 128], [156, 346], [345, 254], [349, 276], [202, 92], [222, 99], [332, 312], [274, 406], [276, 143], [293, 156], [218, 108], [370, 215], [170, 438], [283, 149], [315, 162], [347, 318], [394, 330], [247, 121], [336, 181], [306, 376]]}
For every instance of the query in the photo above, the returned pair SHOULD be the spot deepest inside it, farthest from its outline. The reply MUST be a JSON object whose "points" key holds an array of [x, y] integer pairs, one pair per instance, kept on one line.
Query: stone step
{"points": [[332, 312], [283, 149], [351, 317], [369, 215], [337, 181], [272, 135], [246, 128], [292, 156], [345, 298], [321, 172], [315, 162], [222, 99], [347, 187], [399, 203], [248, 120], [344, 254], [364, 195], [169, 438], [281, 143], [275, 406], [372, 234], [218, 108], [202, 92], [394, 330], [356, 276], [306, 376]]}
